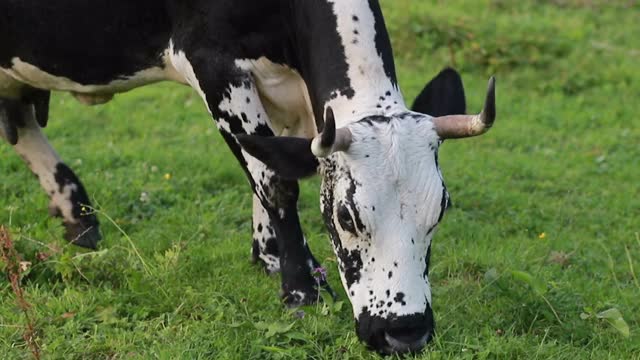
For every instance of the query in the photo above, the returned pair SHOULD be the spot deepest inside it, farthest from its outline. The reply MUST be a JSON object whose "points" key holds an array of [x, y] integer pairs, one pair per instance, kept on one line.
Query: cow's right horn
{"points": [[330, 140], [461, 126]]}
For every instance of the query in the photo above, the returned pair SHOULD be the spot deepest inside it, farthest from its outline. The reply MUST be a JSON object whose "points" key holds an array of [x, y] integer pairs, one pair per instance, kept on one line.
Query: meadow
{"points": [[539, 257]]}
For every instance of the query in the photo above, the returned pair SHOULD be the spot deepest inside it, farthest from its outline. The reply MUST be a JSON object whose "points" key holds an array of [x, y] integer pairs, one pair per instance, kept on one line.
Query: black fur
{"points": [[90, 42], [10, 119], [40, 100], [372, 328], [290, 157]]}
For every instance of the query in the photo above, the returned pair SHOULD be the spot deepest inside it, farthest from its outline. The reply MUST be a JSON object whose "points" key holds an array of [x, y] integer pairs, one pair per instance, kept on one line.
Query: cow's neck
{"points": [[346, 59]]}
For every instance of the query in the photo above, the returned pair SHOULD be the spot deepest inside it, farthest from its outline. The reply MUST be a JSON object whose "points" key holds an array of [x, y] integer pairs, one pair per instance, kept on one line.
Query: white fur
{"points": [[366, 68], [180, 69], [260, 216], [31, 75], [284, 96]]}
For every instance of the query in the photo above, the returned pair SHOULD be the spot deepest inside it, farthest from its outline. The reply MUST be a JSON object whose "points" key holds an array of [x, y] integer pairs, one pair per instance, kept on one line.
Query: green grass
{"points": [[173, 279]]}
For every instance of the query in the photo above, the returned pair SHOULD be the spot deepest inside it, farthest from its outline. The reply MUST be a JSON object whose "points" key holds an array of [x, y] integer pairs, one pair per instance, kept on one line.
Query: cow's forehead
{"points": [[391, 168], [397, 139]]}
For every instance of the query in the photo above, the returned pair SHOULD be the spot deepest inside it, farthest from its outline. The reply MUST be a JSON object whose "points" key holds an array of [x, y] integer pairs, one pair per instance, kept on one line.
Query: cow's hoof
{"points": [[297, 298], [86, 236], [305, 296]]}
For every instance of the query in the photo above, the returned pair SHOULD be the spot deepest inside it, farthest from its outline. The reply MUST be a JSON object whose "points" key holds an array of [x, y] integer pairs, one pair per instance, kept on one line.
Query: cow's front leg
{"points": [[264, 249], [19, 126], [278, 242]]}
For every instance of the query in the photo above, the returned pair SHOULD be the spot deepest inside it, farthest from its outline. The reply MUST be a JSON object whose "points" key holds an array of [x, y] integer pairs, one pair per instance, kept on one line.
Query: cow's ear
{"points": [[444, 95], [290, 157]]}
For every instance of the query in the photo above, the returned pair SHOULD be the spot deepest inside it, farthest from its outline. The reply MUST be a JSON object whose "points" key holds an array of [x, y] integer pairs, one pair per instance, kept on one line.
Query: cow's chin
{"points": [[396, 334]]}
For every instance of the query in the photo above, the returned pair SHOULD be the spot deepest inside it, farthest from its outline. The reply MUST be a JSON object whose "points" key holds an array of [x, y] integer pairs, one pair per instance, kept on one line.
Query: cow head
{"points": [[382, 198]]}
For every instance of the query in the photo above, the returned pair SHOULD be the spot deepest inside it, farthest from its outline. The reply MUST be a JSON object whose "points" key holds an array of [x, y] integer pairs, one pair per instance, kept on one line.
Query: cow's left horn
{"points": [[461, 126], [331, 140]]}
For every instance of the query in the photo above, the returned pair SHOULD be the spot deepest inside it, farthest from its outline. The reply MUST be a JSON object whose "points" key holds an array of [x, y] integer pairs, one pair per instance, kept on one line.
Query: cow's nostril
{"points": [[408, 335], [407, 339]]}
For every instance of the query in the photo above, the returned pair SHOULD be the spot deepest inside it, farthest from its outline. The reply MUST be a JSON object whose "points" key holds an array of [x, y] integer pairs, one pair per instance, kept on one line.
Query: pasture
{"points": [[539, 257]]}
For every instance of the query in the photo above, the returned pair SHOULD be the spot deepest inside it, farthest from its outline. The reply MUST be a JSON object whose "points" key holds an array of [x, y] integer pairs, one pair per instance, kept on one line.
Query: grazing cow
{"points": [[271, 67]]}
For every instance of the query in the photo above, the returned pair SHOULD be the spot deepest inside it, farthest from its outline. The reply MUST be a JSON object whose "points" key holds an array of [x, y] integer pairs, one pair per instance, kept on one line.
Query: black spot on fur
{"points": [[271, 247], [351, 202], [262, 130], [345, 220], [427, 260], [352, 263]]}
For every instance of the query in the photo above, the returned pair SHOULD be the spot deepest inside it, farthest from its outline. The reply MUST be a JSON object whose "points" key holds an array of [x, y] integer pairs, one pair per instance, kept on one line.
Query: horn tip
{"points": [[490, 103]]}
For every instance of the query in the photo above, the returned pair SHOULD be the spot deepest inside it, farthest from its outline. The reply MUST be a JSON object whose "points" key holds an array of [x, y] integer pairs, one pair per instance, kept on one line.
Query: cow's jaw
{"points": [[381, 201]]}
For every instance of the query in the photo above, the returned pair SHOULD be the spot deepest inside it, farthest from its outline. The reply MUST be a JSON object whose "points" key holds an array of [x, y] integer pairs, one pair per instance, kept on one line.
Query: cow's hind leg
{"points": [[20, 126]]}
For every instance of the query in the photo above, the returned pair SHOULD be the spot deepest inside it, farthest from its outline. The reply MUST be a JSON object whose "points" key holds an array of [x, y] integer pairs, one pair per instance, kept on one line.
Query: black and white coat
{"points": [[263, 68]]}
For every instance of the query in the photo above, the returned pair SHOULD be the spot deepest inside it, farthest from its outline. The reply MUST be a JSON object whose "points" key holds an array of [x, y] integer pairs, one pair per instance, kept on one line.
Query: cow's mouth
{"points": [[401, 344], [406, 334]]}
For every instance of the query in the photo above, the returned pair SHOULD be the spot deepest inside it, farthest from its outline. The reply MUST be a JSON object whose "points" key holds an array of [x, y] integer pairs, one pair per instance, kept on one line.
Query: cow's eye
{"points": [[345, 219]]}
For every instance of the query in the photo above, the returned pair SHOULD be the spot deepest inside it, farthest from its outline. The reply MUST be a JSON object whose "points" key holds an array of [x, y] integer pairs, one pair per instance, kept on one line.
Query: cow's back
{"points": [[90, 42]]}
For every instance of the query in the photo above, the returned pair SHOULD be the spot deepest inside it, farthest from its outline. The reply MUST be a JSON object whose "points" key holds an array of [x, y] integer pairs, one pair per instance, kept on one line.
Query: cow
{"points": [[296, 88]]}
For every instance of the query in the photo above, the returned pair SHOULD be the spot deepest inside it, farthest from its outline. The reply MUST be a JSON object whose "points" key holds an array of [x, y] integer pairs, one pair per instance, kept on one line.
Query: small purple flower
{"points": [[320, 274]]}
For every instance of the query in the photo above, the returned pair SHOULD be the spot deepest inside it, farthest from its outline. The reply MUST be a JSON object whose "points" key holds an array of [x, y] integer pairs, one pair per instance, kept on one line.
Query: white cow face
{"points": [[382, 199]]}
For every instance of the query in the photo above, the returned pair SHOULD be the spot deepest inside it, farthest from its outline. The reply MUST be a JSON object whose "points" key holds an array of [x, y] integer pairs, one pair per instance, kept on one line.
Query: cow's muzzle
{"points": [[396, 335]]}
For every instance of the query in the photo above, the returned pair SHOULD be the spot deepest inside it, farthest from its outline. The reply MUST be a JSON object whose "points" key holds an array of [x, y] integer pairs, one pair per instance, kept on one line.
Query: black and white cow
{"points": [[264, 68]]}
